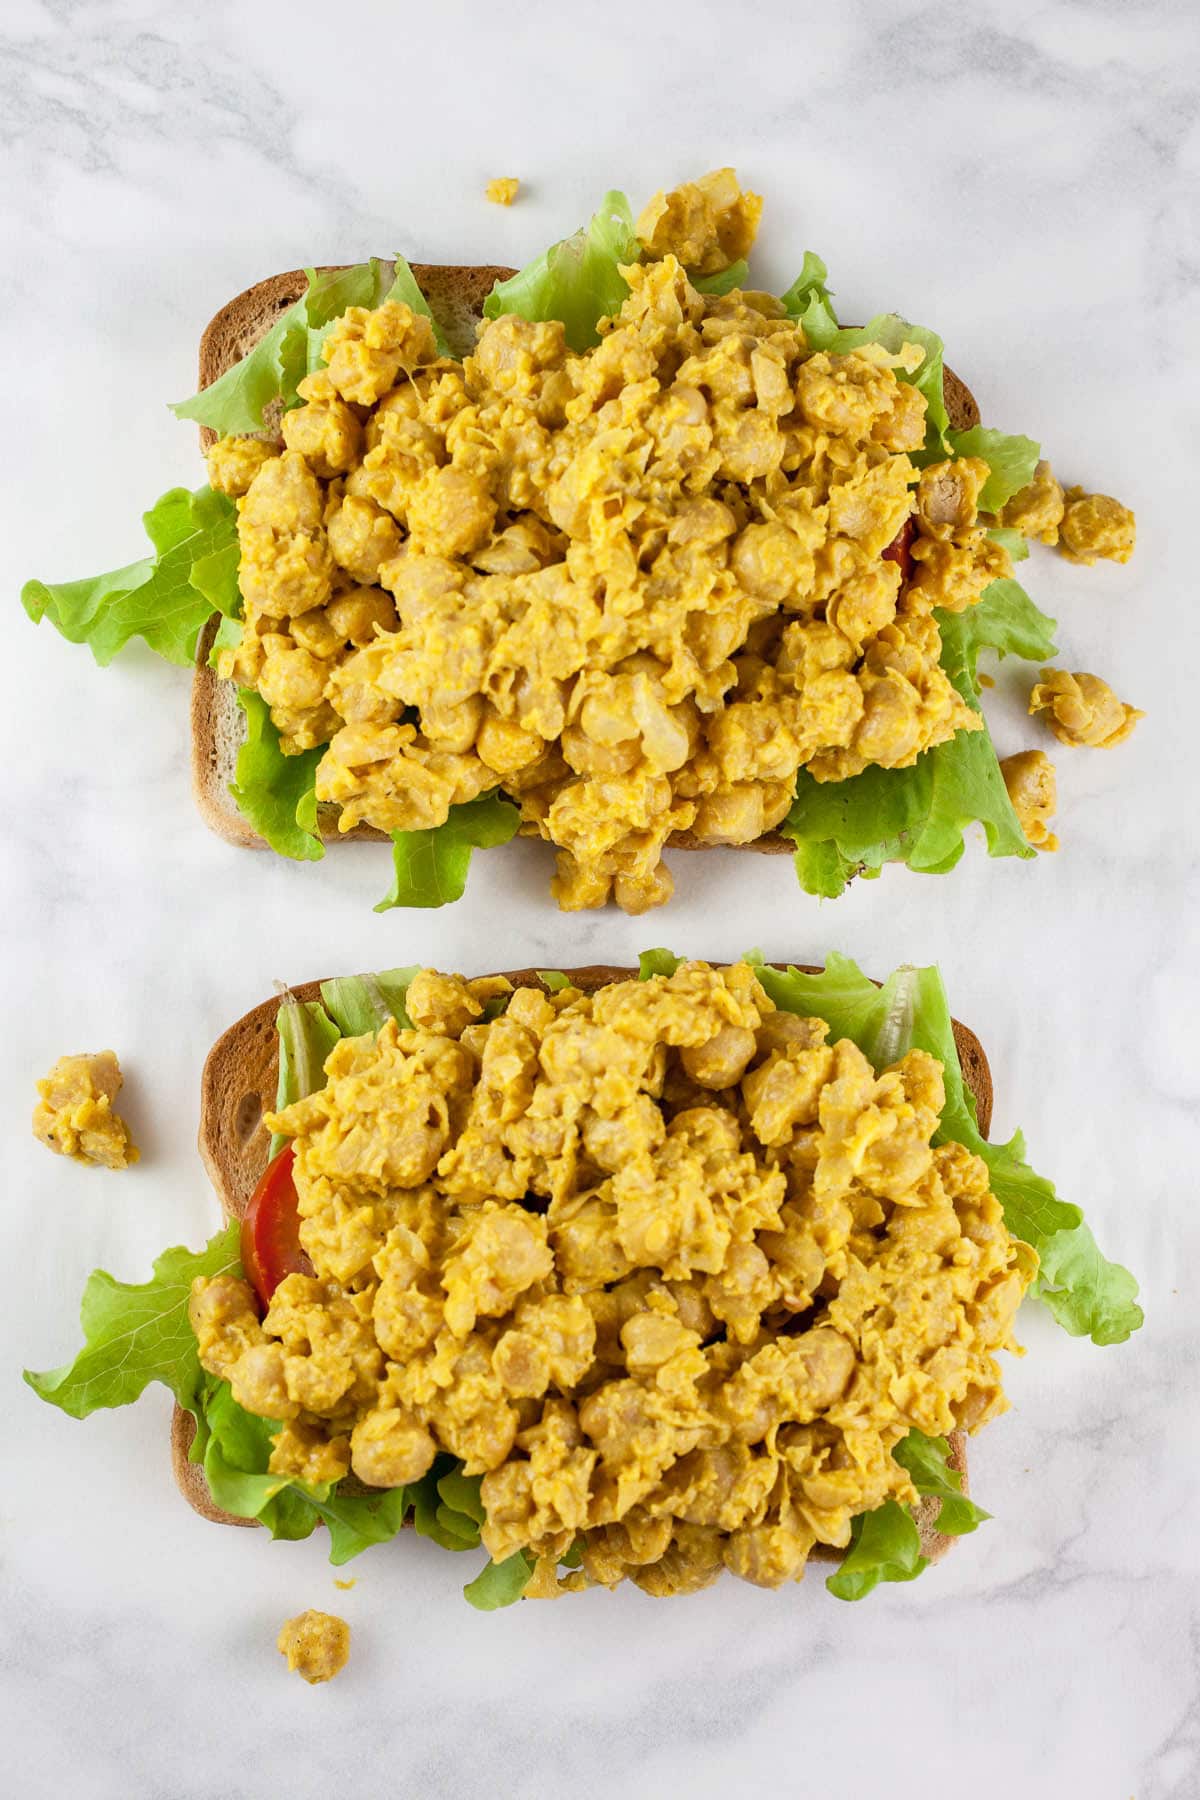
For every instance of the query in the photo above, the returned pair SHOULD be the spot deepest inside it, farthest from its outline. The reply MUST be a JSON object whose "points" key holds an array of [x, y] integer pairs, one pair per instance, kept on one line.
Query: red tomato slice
{"points": [[898, 550], [271, 1229]]}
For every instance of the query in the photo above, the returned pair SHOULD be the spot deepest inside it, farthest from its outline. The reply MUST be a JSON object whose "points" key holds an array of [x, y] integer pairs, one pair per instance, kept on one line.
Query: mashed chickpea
{"points": [[75, 1115], [1081, 709], [316, 1644], [668, 1269], [638, 588], [1033, 789]]}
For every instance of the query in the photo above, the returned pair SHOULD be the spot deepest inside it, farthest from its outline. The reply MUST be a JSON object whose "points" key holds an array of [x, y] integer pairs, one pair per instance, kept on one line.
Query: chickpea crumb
{"points": [[316, 1645], [75, 1114]]}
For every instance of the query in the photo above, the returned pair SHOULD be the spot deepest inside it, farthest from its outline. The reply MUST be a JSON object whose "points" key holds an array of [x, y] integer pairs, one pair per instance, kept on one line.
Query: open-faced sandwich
{"points": [[618, 552], [624, 1276]]}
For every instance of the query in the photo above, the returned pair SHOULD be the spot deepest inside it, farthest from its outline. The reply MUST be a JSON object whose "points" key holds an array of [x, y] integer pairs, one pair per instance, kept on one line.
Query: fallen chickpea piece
{"points": [[1083, 526], [1096, 525], [1082, 710], [1033, 790], [316, 1645], [74, 1116], [503, 190], [1036, 510]]}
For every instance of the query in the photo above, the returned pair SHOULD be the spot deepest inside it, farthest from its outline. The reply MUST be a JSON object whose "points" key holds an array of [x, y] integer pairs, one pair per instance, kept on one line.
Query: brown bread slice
{"points": [[456, 295], [238, 1086]]}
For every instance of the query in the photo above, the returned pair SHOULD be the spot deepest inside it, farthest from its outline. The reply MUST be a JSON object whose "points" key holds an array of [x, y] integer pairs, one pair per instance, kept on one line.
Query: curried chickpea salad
{"points": [[663, 560], [698, 1269]]}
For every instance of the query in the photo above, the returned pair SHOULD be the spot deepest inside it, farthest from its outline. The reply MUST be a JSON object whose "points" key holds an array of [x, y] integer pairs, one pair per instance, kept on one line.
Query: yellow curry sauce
{"points": [[668, 1269]]}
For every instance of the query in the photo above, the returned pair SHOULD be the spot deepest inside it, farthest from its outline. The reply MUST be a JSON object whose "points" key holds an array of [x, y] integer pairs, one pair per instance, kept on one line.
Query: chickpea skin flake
{"points": [[671, 1272]]}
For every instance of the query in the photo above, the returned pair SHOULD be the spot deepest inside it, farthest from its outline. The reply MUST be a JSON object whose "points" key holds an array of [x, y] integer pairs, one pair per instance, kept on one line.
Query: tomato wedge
{"points": [[898, 550], [271, 1229]]}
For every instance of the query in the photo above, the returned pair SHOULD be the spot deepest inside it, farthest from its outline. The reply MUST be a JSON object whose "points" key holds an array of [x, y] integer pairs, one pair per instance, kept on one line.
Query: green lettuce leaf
{"points": [[430, 867], [882, 1547], [404, 289], [1005, 620], [808, 301], [356, 1521], [885, 1545], [306, 1036], [893, 332], [277, 794], [440, 1519], [234, 1447], [657, 962], [1087, 1295], [578, 280], [1011, 460], [918, 815], [272, 370], [353, 1005], [157, 599], [500, 1584], [333, 292], [136, 1334], [927, 1460], [227, 636], [724, 281], [1012, 540], [358, 1004], [460, 1510], [215, 577], [876, 1018]]}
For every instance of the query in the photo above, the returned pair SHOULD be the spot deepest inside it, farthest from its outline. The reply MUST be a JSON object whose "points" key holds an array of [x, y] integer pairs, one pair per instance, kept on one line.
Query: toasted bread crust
{"points": [[238, 1086], [457, 294]]}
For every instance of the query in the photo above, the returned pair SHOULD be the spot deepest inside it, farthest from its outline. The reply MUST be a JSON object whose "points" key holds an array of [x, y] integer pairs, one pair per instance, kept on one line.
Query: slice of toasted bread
{"points": [[456, 294], [238, 1086]]}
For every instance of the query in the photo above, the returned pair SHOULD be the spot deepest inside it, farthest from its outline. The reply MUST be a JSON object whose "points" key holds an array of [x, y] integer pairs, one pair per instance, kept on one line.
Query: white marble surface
{"points": [[1023, 177]]}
